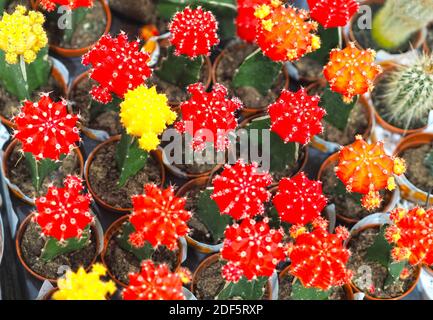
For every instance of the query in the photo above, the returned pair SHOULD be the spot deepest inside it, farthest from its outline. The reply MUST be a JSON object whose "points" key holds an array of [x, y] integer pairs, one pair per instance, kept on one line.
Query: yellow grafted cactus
{"points": [[22, 34], [81, 285], [146, 114]]}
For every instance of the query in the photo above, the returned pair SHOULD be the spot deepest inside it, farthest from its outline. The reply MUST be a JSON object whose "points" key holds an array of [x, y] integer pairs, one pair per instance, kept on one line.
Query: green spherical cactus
{"points": [[408, 92], [397, 20]]}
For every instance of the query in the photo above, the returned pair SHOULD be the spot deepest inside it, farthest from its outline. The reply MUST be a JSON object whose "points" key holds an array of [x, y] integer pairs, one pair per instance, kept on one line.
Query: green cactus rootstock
{"points": [[398, 20]]}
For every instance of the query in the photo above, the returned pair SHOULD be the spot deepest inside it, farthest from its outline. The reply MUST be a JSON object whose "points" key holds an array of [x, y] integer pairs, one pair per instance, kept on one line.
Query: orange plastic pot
{"points": [[71, 53], [18, 240], [246, 111], [367, 295], [332, 160], [15, 191], [111, 231], [57, 76], [155, 154]]}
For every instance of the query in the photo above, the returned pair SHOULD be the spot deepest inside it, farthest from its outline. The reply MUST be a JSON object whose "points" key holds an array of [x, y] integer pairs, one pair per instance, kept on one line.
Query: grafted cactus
{"points": [[399, 19], [332, 13], [408, 94]]}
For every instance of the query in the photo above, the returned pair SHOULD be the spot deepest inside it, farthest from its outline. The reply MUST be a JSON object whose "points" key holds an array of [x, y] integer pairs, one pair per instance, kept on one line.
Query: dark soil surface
{"points": [[358, 263], [19, 173], [104, 175], [308, 69], [143, 11], [234, 56], [416, 171], [87, 32], [290, 170], [345, 204], [32, 244], [108, 121], [10, 105], [121, 262]]}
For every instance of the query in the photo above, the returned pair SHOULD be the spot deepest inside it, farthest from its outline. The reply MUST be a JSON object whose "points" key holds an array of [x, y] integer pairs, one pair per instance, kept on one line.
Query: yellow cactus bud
{"points": [[146, 114], [81, 285], [22, 34], [399, 166], [262, 11]]}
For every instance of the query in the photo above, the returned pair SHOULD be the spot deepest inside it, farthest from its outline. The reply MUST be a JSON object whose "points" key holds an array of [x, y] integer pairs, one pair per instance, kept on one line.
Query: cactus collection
{"points": [[120, 212]]}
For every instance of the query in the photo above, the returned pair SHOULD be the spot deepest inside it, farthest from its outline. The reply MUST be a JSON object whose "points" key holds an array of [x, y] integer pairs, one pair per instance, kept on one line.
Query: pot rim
{"points": [[18, 239], [333, 158], [155, 154], [112, 229]]}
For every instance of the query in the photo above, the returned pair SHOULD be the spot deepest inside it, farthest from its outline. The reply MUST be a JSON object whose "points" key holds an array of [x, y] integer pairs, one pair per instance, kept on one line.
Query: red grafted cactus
{"points": [[241, 190], [332, 13], [208, 116], [412, 234], [159, 217], [285, 33], [253, 248], [45, 128], [299, 200], [193, 32], [117, 66], [50, 5], [365, 168], [246, 21], [64, 213], [155, 282], [318, 258], [351, 71], [296, 116]]}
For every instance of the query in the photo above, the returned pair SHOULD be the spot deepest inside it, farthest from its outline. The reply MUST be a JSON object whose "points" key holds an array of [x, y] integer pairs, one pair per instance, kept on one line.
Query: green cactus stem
{"points": [[299, 292], [54, 248], [130, 158], [142, 253], [397, 20], [408, 93], [179, 70], [22, 83], [208, 213], [41, 169], [244, 289], [257, 71]]}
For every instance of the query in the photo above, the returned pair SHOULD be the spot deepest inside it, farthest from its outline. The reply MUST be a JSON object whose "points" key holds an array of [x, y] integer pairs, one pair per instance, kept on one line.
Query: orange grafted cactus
{"points": [[351, 71], [365, 168], [285, 33], [412, 234]]}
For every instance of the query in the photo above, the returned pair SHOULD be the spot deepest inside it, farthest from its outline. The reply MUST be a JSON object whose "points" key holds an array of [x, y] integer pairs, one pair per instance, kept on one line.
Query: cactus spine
{"points": [[408, 94], [398, 19]]}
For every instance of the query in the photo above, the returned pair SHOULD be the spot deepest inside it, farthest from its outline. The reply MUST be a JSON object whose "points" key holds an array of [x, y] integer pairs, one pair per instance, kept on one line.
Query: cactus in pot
{"points": [[47, 134], [158, 219], [397, 20], [366, 169], [65, 219], [408, 93], [251, 252], [24, 63], [193, 34], [318, 260]]}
